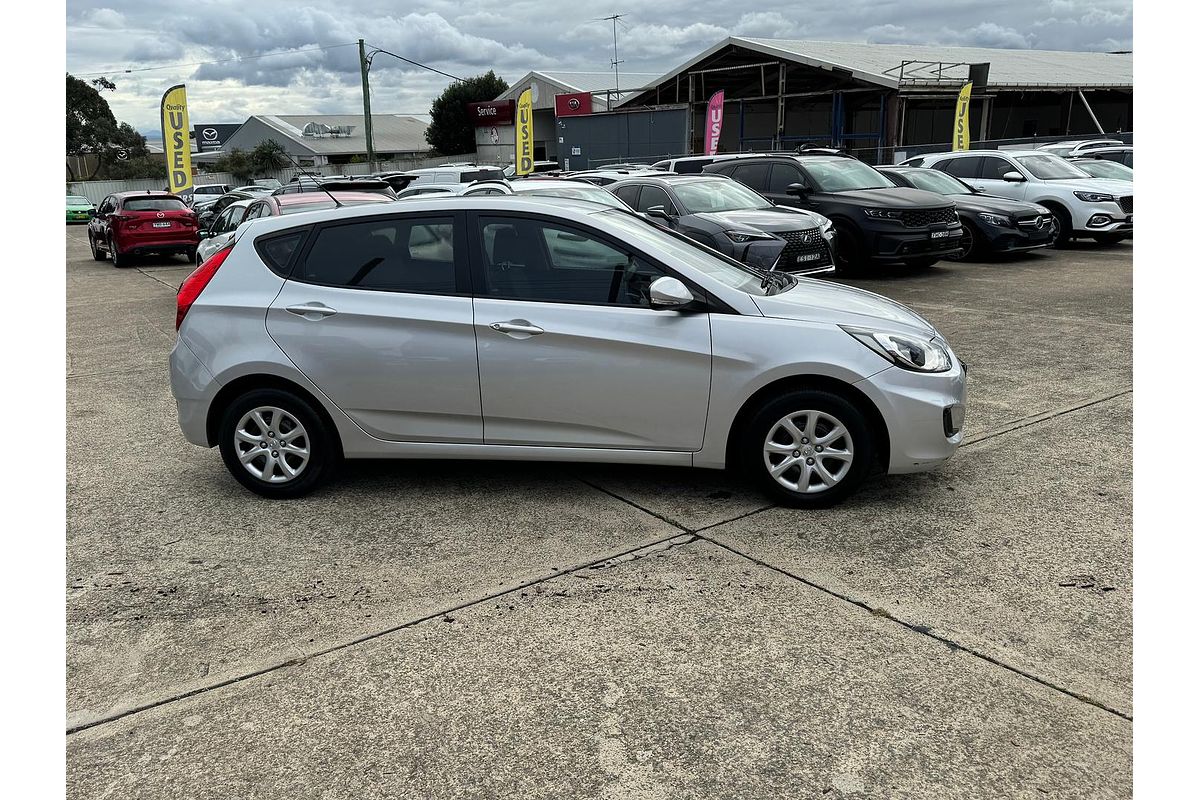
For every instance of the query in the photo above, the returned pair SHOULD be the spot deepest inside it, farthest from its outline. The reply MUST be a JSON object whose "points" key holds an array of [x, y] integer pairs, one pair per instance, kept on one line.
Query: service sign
{"points": [[495, 112], [176, 146]]}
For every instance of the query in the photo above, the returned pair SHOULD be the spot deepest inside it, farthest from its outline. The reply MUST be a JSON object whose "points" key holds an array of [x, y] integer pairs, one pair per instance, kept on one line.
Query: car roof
{"points": [[541, 183], [304, 198], [145, 193], [1092, 152], [672, 178]]}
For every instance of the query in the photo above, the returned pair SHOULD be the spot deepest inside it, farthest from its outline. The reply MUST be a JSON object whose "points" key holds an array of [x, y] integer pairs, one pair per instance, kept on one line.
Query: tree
{"points": [[237, 163], [91, 126], [451, 131], [268, 156]]}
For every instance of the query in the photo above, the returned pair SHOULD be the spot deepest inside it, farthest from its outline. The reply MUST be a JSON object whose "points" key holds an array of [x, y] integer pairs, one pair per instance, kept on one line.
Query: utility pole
{"points": [[364, 66], [615, 62]]}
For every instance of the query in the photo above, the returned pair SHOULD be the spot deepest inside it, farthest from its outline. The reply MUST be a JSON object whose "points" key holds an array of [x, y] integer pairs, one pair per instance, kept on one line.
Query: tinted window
{"points": [[844, 175], [655, 196], [783, 176], [753, 175], [488, 175], [414, 254], [993, 168], [532, 260], [277, 251], [154, 204], [628, 194], [694, 165], [236, 216], [959, 167], [1051, 168]]}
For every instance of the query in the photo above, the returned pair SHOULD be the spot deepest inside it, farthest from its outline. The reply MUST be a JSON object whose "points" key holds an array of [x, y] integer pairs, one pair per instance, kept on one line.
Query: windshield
{"points": [[1099, 168], [581, 192], [932, 180], [76, 200], [155, 204], [718, 194], [844, 175], [713, 264], [1050, 167]]}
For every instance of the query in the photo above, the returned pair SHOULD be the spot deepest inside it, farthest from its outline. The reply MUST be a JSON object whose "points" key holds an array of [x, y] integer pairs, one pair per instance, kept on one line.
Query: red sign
{"points": [[714, 118], [495, 112], [570, 105]]}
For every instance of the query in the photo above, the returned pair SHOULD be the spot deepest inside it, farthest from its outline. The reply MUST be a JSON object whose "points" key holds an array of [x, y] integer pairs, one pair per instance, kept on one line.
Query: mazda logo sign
{"points": [[210, 134], [160, 215]]}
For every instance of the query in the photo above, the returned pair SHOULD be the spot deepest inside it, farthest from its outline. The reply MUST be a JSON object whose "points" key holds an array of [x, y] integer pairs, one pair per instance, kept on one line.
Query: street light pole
{"points": [[366, 89]]}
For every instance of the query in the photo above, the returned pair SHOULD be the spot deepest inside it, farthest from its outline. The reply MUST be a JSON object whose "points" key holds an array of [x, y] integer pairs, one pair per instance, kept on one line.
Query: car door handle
{"points": [[518, 326], [313, 311]]}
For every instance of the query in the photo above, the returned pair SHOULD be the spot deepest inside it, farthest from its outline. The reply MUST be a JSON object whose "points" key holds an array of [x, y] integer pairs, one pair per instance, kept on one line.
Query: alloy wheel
{"points": [[271, 444], [808, 451]]}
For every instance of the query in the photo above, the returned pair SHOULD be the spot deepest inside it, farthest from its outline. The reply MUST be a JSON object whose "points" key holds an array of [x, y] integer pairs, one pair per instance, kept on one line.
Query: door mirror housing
{"points": [[669, 294], [658, 211], [1013, 177], [205, 233], [798, 190]]}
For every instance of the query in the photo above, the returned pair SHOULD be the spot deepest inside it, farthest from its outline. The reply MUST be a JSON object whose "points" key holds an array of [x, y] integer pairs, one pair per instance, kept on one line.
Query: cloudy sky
{"points": [[269, 61]]}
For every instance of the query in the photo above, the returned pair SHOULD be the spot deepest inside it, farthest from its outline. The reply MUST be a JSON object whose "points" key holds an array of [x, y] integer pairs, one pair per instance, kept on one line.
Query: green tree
{"points": [[91, 126], [237, 163], [268, 156], [451, 131]]}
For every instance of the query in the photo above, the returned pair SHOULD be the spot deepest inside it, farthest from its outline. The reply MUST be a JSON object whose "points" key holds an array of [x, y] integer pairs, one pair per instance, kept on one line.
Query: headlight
{"points": [[741, 237], [1095, 197], [881, 213], [825, 222], [909, 352], [996, 219]]}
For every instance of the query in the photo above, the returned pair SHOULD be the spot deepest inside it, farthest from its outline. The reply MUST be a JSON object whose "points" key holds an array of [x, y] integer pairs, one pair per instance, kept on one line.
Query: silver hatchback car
{"points": [[510, 327]]}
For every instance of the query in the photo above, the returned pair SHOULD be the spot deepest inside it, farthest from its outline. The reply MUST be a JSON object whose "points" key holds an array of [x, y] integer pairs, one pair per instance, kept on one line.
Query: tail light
{"points": [[194, 284]]}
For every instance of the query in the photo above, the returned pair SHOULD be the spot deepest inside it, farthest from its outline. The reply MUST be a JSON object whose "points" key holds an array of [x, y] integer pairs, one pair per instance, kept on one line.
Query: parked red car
{"points": [[135, 223]]}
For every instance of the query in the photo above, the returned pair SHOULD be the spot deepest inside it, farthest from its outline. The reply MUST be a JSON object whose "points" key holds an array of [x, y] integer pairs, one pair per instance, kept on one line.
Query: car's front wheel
{"points": [[276, 445], [850, 254], [970, 244], [1060, 235], [808, 448]]}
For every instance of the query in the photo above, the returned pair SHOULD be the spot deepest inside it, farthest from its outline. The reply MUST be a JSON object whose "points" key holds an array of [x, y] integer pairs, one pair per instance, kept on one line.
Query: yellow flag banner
{"points": [[525, 133], [176, 145], [962, 120]]}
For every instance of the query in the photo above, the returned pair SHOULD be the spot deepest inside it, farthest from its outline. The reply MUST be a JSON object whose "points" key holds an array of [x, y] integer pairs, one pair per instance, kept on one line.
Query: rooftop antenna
{"points": [[615, 62], [336, 203]]}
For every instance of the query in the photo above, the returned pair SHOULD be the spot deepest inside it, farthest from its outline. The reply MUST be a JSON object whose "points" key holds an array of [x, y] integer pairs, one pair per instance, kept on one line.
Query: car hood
{"points": [[774, 218], [993, 204], [1107, 185], [819, 301], [897, 197]]}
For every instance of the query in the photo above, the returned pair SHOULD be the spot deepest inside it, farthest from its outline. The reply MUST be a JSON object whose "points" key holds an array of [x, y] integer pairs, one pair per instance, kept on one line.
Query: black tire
{"points": [[324, 452], [1109, 239], [190, 255], [119, 260], [1063, 220], [972, 246], [97, 253], [753, 459], [849, 255]]}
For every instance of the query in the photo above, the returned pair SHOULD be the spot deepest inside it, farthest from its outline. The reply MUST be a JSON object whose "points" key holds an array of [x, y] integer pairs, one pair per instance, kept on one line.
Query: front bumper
{"points": [[1095, 218], [920, 411], [904, 244], [1009, 240]]}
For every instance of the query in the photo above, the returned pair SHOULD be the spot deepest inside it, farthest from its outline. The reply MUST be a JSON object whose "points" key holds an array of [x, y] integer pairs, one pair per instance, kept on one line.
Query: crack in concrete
{"points": [[1033, 419], [631, 554]]}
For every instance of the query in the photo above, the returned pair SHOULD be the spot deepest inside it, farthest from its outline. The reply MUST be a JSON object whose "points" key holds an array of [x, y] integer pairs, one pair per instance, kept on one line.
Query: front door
{"points": [[992, 170], [570, 352], [377, 315]]}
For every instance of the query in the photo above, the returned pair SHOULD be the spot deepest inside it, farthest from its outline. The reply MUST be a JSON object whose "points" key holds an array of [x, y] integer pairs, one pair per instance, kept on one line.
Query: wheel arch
{"points": [[819, 382], [247, 383]]}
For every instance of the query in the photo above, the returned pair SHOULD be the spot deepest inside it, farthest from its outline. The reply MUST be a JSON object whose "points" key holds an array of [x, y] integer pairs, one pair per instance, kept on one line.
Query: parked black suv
{"points": [[731, 218], [876, 222]]}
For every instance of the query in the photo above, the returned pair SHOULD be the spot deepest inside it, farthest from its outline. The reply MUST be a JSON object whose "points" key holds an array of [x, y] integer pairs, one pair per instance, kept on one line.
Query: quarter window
{"points": [[414, 254], [536, 261]]}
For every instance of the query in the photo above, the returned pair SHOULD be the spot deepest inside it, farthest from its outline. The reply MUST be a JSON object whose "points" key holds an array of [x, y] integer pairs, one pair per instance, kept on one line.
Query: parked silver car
{"points": [[532, 328]]}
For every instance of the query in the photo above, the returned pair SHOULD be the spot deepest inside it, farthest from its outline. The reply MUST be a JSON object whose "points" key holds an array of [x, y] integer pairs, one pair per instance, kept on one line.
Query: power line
{"points": [[119, 71], [409, 61]]}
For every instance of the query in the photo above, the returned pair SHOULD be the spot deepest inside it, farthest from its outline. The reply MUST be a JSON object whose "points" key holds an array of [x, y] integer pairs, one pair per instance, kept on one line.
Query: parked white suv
{"points": [[1083, 206]]}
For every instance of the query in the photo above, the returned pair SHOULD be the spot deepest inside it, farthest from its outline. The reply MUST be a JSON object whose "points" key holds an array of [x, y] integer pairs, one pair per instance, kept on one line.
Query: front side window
{"points": [[655, 196], [527, 259], [994, 168], [783, 176], [844, 175], [413, 254]]}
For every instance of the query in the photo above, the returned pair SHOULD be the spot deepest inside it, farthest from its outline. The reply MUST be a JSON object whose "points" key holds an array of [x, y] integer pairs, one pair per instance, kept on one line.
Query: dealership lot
{"points": [[506, 629]]}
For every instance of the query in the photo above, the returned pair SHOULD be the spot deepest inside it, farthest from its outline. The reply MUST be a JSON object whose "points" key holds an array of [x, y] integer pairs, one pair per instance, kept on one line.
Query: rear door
{"points": [[570, 352], [377, 313]]}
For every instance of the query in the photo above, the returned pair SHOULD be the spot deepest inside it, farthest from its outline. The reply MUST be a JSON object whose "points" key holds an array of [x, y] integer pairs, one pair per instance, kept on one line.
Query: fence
{"points": [[96, 191]]}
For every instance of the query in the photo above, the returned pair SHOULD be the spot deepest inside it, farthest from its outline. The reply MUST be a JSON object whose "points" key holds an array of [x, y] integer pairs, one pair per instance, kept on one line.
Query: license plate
{"points": [[161, 225], [808, 257], [938, 234]]}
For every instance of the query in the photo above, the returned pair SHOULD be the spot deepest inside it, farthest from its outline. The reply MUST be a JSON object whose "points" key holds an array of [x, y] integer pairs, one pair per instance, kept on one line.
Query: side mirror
{"points": [[205, 233], [798, 189], [669, 294], [1013, 177], [658, 211]]}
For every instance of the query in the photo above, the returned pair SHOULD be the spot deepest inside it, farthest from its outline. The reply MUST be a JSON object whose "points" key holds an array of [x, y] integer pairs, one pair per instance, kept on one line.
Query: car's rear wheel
{"points": [[97, 253], [119, 260], [808, 448], [1109, 238], [275, 444], [190, 255]]}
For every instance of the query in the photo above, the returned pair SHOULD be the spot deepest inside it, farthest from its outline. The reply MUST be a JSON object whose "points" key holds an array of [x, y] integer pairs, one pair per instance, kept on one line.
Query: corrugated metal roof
{"points": [[391, 133], [880, 63], [566, 82]]}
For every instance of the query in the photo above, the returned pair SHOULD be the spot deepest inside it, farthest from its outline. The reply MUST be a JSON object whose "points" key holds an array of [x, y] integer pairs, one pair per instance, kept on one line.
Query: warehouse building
{"points": [[316, 140], [878, 99]]}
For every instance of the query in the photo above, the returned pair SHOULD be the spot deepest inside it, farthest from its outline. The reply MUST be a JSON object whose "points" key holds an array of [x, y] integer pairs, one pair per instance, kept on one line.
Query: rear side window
{"points": [[753, 175], [481, 175], [692, 165], [959, 167], [277, 251], [154, 204], [413, 254]]}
